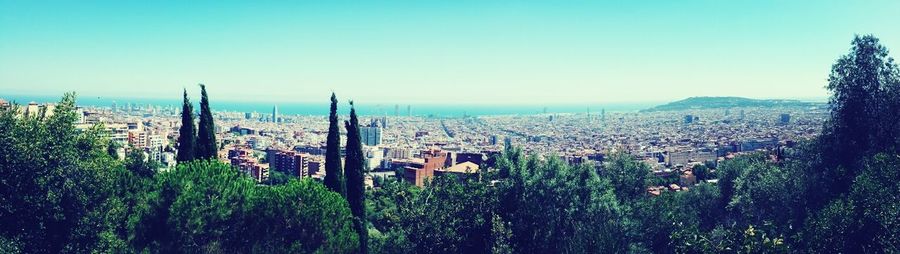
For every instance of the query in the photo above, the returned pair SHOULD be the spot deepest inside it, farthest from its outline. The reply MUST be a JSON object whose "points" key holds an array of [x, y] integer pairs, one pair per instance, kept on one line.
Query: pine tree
{"points": [[206, 133], [353, 175], [187, 138], [333, 172]]}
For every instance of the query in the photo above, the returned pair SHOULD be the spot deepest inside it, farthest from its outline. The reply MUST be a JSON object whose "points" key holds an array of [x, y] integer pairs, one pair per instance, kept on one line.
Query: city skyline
{"points": [[433, 53]]}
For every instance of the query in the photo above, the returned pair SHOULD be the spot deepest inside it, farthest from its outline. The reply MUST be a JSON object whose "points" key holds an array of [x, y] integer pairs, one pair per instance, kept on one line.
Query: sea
{"points": [[316, 109]]}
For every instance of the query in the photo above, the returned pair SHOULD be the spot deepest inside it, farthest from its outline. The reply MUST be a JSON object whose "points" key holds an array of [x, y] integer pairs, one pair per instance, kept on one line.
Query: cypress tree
{"points": [[333, 172], [187, 137], [206, 133], [353, 175]]}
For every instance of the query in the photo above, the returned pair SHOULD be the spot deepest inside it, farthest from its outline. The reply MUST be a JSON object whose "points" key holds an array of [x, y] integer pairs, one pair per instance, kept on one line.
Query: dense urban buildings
{"points": [[419, 147]]}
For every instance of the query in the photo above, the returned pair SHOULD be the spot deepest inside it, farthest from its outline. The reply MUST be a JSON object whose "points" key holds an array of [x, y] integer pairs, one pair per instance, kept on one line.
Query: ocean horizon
{"points": [[321, 109]]}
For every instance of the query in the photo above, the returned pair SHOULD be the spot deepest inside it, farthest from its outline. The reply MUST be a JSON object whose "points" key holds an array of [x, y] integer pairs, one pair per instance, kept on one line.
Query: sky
{"points": [[439, 52]]}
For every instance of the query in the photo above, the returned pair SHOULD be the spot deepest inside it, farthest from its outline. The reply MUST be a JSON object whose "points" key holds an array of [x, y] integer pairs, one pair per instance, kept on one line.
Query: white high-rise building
{"points": [[275, 114]]}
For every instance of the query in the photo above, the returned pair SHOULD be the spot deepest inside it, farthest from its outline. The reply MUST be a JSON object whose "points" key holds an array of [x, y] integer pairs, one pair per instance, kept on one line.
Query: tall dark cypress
{"points": [[333, 173], [187, 137], [353, 175], [206, 132]]}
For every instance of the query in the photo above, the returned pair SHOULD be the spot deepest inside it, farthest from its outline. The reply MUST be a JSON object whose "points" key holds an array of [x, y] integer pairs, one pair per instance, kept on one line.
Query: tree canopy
{"points": [[62, 192]]}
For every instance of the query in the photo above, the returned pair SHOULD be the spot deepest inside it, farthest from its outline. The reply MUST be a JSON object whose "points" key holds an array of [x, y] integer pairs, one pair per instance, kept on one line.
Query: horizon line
{"points": [[11, 96]]}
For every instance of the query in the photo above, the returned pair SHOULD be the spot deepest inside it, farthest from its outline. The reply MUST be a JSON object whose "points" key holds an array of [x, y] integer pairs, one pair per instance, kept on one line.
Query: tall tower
{"points": [[396, 109], [589, 114], [275, 113], [408, 110]]}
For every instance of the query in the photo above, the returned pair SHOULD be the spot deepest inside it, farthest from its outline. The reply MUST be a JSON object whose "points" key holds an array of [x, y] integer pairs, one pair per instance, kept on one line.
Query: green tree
{"points": [[655, 219], [301, 216], [764, 192], [627, 176], [333, 171], [701, 172], [207, 206], [447, 216], [832, 229], [728, 171], [113, 149], [353, 175], [865, 115], [555, 208], [276, 178], [384, 213], [874, 195], [56, 183], [138, 163], [187, 134], [206, 131]]}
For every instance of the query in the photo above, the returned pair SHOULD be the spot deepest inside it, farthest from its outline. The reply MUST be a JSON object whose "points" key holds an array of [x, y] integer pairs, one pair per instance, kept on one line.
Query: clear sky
{"points": [[507, 52]]}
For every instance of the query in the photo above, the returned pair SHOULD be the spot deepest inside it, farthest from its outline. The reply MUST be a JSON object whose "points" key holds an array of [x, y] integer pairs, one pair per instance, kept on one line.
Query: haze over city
{"points": [[471, 52]]}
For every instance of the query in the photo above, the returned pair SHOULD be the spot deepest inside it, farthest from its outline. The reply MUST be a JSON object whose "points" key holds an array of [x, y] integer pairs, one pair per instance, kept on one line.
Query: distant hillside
{"points": [[725, 102]]}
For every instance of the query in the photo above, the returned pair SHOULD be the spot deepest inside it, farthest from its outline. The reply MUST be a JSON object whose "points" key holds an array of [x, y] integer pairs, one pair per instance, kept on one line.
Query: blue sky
{"points": [[496, 52]]}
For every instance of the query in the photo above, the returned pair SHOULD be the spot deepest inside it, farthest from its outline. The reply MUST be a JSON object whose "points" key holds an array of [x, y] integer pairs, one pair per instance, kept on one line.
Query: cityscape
{"points": [[449, 127], [670, 141]]}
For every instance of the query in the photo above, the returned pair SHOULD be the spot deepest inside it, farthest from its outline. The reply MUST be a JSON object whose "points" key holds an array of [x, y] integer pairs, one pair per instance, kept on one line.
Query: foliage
{"points": [[277, 178], [138, 163], [627, 176], [206, 130], [447, 217], [831, 229], [112, 149], [865, 115], [730, 170], [333, 171], [762, 192], [383, 213], [353, 175], [187, 134], [701, 172], [56, 182], [63, 193], [206, 206]]}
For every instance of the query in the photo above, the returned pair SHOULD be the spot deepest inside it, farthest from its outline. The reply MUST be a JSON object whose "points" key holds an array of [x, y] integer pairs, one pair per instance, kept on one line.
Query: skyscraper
{"points": [[688, 119], [784, 119], [275, 113], [371, 135], [589, 114]]}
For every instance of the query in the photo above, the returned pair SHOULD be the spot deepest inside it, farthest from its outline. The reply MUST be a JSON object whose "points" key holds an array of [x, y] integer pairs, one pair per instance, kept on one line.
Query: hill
{"points": [[726, 102]]}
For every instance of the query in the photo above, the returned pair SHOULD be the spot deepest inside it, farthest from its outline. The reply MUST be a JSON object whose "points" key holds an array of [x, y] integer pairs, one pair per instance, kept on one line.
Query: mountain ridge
{"points": [[712, 102]]}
